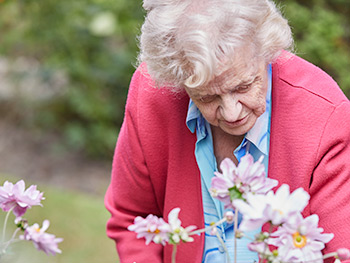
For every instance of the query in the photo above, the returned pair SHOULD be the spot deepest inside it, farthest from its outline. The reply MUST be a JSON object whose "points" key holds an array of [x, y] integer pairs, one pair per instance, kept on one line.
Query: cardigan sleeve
{"points": [[130, 192], [330, 186]]}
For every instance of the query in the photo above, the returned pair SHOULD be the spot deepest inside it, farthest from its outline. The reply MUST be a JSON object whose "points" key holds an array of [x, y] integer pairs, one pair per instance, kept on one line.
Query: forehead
{"points": [[240, 71]]}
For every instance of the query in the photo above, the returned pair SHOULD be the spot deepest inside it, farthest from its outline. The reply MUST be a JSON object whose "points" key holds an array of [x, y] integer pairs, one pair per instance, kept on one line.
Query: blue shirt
{"points": [[256, 142]]}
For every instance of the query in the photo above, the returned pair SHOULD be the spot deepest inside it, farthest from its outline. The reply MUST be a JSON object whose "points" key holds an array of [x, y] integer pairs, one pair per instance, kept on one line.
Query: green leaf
{"points": [[235, 193]]}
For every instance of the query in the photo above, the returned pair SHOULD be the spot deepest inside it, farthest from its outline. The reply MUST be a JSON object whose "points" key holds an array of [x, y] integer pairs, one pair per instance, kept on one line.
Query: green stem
{"points": [[173, 255], [5, 224], [12, 240], [224, 246], [329, 255], [208, 228], [235, 231]]}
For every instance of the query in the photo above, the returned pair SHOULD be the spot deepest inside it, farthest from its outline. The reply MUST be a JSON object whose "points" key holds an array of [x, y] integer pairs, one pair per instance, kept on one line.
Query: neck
{"points": [[224, 144]]}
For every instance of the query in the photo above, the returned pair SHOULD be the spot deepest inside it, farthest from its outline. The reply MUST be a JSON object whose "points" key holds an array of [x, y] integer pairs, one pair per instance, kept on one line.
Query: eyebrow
{"points": [[246, 82], [249, 80]]}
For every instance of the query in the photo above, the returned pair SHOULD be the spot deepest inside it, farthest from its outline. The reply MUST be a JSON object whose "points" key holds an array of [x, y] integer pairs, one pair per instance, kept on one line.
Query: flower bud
{"points": [[213, 231], [343, 253], [229, 217], [239, 234]]}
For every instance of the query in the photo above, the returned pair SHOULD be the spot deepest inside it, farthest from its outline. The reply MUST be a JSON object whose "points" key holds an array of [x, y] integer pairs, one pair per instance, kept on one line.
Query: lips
{"points": [[237, 123]]}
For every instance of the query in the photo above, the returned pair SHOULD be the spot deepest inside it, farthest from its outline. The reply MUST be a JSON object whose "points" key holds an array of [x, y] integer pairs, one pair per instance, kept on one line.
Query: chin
{"points": [[240, 130]]}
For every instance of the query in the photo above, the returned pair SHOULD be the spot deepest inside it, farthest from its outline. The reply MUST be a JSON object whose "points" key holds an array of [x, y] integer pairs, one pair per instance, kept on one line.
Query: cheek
{"points": [[209, 112], [255, 101], [260, 105]]}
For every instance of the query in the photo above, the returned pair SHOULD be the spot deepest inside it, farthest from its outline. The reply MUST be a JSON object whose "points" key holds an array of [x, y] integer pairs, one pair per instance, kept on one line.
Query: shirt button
{"points": [[221, 249]]}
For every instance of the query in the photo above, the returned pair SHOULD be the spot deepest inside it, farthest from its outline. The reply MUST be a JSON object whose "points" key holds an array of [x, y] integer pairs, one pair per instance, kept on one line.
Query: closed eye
{"points": [[207, 98], [243, 88]]}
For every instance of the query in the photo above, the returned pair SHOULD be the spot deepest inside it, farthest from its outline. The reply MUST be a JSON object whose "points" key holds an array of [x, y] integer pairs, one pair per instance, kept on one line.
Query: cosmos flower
{"points": [[276, 208], [152, 228], [17, 198], [236, 182], [155, 229], [252, 177], [178, 233], [42, 240], [302, 240], [282, 205]]}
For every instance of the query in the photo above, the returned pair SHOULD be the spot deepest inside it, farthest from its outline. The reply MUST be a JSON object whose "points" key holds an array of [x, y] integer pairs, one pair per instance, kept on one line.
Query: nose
{"points": [[230, 108]]}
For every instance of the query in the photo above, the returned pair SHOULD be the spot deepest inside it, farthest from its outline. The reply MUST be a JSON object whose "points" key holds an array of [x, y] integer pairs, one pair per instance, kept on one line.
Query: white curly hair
{"points": [[188, 42]]}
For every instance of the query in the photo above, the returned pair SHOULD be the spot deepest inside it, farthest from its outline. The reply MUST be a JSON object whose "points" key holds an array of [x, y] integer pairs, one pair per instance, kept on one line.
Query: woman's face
{"points": [[235, 99]]}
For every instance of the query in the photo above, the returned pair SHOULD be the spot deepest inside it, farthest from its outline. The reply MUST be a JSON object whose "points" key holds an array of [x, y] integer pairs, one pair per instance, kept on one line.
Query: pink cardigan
{"points": [[154, 167]]}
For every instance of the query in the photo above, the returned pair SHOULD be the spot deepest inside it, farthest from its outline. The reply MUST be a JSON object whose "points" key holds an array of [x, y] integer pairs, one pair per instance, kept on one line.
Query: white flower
{"points": [[276, 208], [283, 204], [252, 210], [178, 232]]}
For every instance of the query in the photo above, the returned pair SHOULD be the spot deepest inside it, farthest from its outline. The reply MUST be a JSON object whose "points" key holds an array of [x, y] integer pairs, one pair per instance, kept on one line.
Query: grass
{"points": [[78, 218]]}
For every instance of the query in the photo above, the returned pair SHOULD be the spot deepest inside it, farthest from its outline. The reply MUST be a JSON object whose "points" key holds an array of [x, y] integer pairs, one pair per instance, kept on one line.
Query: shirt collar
{"points": [[195, 120], [258, 134]]}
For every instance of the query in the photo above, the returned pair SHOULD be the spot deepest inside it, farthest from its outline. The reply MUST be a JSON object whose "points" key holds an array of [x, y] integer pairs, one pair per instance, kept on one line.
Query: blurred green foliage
{"points": [[322, 35], [94, 43]]}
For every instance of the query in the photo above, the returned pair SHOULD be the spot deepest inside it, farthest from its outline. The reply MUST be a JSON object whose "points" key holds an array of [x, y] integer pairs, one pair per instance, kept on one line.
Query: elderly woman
{"points": [[215, 81]]}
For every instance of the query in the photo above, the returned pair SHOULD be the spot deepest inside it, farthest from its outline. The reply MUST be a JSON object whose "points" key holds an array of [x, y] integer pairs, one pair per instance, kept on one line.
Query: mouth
{"points": [[237, 123]]}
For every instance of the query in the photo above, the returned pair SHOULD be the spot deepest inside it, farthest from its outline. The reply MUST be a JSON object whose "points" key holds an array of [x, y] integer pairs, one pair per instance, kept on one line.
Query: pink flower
{"points": [[17, 198], [301, 240], [224, 181], [260, 247], [237, 182], [157, 230], [42, 240], [252, 176], [151, 228]]}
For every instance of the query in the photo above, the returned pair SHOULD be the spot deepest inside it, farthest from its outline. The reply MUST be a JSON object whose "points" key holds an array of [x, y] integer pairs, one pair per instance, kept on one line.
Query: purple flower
{"points": [[300, 240], [151, 228], [237, 182], [42, 240], [17, 198]]}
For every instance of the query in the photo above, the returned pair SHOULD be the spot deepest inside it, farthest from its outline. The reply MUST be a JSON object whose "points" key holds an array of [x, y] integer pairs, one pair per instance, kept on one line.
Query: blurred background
{"points": [[65, 67]]}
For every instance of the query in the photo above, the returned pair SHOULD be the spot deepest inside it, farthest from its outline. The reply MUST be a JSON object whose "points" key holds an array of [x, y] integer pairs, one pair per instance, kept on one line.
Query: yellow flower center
{"points": [[37, 230], [157, 231], [299, 241], [279, 211]]}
